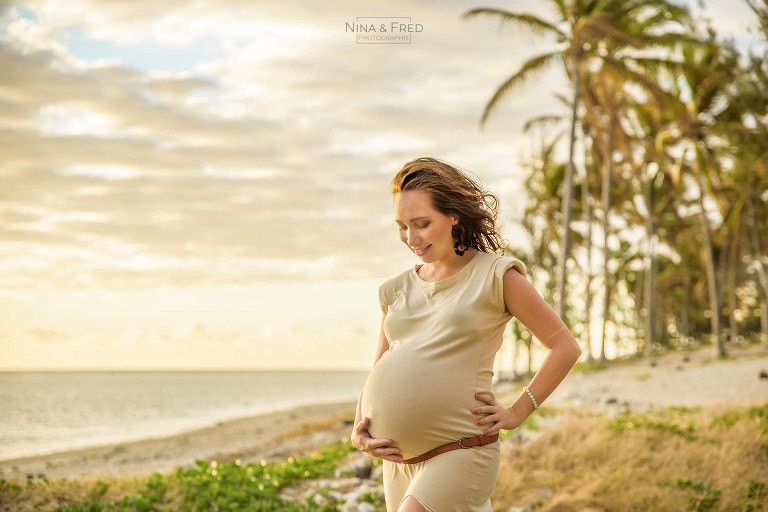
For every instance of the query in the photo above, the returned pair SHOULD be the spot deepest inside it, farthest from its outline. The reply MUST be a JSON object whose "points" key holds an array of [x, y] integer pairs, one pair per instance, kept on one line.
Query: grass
{"points": [[529, 423], [593, 367], [681, 459], [206, 486]]}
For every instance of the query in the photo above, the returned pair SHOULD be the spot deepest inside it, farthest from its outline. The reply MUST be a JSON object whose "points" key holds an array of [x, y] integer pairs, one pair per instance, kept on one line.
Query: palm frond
{"points": [[563, 99], [534, 23], [603, 28], [641, 79], [542, 120], [532, 66]]}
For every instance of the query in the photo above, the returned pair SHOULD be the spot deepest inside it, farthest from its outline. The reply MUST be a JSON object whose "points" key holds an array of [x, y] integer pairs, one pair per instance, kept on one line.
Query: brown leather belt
{"points": [[464, 442]]}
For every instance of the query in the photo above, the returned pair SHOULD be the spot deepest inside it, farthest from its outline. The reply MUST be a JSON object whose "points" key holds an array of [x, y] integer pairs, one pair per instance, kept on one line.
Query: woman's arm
{"points": [[524, 303]]}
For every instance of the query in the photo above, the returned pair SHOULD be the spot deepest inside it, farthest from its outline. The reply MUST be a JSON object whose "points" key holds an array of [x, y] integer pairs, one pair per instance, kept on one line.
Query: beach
{"points": [[266, 436], [678, 378]]}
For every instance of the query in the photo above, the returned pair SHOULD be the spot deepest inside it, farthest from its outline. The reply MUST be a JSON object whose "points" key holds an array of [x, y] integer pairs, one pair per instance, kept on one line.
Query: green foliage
{"points": [[754, 496], [683, 409], [704, 498], [727, 420], [144, 501], [529, 423], [5, 485], [222, 486], [376, 498], [230, 486], [585, 367], [629, 421], [758, 413]]}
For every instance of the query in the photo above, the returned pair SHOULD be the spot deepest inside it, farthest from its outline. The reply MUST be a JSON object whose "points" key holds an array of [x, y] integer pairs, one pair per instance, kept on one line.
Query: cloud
{"points": [[186, 146], [175, 144]]}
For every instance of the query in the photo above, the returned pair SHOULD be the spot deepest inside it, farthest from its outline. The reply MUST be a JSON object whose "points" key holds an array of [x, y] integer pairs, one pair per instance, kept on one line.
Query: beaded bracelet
{"points": [[535, 405]]}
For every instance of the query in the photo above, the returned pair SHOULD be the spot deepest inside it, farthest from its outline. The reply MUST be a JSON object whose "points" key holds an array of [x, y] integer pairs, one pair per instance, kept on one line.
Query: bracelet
{"points": [[535, 405], [557, 331]]}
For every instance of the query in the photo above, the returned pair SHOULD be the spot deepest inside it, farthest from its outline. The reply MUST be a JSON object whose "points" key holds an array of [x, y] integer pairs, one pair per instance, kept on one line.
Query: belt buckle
{"points": [[462, 439]]}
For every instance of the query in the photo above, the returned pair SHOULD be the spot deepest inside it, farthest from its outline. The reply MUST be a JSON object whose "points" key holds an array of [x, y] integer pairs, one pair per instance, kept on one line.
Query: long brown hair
{"points": [[454, 192]]}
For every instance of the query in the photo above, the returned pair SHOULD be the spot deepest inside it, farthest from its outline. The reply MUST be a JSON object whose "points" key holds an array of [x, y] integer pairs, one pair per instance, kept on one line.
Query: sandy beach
{"points": [[269, 436], [681, 378], [677, 378]]}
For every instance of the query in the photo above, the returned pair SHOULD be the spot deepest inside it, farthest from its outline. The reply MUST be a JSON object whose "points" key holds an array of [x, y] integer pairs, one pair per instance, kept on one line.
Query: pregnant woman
{"points": [[427, 408]]}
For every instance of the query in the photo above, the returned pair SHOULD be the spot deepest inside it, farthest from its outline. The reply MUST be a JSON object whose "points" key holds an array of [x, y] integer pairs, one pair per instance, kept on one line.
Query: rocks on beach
{"points": [[354, 493]]}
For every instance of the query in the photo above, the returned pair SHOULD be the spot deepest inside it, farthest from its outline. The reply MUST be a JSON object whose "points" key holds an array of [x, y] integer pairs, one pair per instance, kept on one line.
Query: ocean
{"points": [[46, 412]]}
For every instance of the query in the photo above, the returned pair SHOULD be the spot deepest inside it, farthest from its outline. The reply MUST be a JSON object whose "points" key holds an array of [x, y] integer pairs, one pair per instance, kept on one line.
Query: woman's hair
{"points": [[453, 192]]}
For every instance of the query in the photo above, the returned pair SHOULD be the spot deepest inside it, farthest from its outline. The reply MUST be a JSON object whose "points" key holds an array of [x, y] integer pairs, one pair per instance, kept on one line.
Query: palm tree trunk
{"points": [[606, 197], [515, 349], [762, 274], [709, 263], [639, 293], [732, 300], [588, 220], [649, 305], [566, 206], [722, 280], [685, 329], [529, 346]]}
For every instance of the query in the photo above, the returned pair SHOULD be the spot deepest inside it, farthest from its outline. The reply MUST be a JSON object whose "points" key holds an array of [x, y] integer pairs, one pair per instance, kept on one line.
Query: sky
{"points": [[206, 185]]}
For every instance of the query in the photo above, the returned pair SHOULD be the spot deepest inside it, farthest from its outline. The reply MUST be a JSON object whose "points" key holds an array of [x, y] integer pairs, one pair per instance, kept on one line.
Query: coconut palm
{"points": [[757, 207], [702, 133], [584, 30]]}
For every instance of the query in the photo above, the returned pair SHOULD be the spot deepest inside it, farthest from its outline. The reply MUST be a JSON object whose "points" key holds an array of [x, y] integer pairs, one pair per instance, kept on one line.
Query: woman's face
{"points": [[426, 231]]}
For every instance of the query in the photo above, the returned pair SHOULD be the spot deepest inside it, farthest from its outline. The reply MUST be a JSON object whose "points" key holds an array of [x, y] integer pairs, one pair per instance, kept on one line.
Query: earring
{"points": [[458, 233]]}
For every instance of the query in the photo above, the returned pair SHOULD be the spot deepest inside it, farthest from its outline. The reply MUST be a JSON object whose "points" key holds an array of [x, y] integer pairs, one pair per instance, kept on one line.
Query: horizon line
{"points": [[173, 369]]}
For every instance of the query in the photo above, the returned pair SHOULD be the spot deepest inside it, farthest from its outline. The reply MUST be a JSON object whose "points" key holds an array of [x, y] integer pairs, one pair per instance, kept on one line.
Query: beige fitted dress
{"points": [[443, 338]]}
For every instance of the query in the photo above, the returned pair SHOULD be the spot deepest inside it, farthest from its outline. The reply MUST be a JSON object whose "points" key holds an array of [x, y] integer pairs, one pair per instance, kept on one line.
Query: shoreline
{"points": [[685, 378], [249, 437], [160, 435], [266, 436]]}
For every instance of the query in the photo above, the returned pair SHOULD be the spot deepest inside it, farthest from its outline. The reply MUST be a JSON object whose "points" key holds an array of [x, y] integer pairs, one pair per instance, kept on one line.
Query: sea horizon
{"points": [[173, 369], [45, 412]]}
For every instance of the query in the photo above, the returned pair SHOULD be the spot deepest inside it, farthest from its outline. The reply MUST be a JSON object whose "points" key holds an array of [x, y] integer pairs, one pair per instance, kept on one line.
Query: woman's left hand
{"points": [[499, 416]]}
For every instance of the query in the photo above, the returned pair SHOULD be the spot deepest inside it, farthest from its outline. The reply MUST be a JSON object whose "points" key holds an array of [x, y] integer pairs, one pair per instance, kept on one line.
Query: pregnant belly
{"points": [[418, 403]]}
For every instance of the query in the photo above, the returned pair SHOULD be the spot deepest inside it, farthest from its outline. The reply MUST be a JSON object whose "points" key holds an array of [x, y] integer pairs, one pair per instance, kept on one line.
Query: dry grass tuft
{"points": [[60, 492], [679, 459]]}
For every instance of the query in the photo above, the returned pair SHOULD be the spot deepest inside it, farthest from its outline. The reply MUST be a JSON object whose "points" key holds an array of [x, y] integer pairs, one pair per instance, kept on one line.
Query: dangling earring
{"points": [[458, 231]]}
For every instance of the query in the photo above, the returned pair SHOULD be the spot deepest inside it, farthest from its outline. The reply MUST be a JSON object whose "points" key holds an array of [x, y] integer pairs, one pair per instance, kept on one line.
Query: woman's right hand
{"points": [[380, 448]]}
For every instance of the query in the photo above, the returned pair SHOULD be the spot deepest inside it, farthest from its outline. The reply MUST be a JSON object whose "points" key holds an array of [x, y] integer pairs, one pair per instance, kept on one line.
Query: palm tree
{"points": [[746, 185], [704, 125], [756, 208], [569, 56], [588, 28], [586, 209], [651, 175]]}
